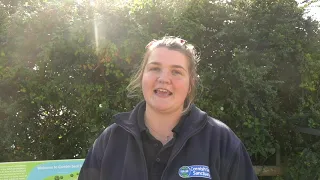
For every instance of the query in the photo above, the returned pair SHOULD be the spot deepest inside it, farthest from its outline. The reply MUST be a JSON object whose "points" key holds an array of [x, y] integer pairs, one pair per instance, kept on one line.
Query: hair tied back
{"points": [[150, 43]]}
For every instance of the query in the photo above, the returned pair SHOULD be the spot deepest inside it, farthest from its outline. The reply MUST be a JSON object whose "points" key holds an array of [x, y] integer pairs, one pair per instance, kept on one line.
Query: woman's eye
{"points": [[154, 69], [176, 72]]}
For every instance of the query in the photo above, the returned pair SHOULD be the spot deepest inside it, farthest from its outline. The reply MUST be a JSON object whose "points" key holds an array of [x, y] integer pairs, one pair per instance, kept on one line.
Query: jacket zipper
{"points": [[171, 159], [141, 152]]}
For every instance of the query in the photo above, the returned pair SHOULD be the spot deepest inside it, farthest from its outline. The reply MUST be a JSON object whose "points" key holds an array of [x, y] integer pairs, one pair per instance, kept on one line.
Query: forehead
{"points": [[165, 56]]}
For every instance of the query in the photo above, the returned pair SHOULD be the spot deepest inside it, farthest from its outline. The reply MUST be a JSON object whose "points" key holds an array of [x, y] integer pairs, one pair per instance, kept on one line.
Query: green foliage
{"points": [[64, 67], [306, 163]]}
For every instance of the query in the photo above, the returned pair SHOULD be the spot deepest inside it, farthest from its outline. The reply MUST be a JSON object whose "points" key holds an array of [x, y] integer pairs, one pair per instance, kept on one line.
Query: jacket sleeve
{"points": [[240, 167], [90, 169]]}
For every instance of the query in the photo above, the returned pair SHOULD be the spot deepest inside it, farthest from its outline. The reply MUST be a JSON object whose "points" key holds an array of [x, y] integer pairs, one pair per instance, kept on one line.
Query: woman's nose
{"points": [[164, 77]]}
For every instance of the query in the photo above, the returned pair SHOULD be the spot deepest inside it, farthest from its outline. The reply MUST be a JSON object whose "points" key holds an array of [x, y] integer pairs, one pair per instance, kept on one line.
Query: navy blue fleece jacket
{"points": [[205, 149]]}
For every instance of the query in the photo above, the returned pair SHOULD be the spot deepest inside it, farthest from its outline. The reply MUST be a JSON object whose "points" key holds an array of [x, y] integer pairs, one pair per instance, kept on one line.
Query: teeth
{"points": [[162, 90]]}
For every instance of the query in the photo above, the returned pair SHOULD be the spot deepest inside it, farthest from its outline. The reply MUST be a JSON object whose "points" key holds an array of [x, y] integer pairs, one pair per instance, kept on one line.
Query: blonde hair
{"points": [[172, 43]]}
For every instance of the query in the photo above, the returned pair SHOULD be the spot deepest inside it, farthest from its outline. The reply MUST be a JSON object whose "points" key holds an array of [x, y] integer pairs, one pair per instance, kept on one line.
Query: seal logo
{"points": [[184, 172]]}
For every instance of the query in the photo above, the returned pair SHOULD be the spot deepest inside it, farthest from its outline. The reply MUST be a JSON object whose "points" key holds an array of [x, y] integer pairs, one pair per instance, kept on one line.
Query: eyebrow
{"points": [[174, 66]]}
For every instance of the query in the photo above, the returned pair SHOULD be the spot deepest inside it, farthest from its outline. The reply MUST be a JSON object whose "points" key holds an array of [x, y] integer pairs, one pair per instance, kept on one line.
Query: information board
{"points": [[41, 170]]}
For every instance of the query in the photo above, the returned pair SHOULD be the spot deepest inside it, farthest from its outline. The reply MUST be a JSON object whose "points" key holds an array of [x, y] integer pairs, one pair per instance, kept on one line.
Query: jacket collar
{"points": [[143, 127], [192, 122]]}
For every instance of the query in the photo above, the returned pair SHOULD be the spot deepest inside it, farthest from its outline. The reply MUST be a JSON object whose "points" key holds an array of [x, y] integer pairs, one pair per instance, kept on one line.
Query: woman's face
{"points": [[166, 80]]}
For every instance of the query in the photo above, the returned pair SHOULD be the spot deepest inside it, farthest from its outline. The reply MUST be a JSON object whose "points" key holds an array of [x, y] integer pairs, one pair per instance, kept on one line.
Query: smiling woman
{"points": [[182, 58], [165, 80], [166, 136]]}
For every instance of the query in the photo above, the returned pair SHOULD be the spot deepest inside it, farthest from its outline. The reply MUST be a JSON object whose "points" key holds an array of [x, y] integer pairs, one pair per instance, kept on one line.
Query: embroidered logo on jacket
{"points": [[195, 171]]}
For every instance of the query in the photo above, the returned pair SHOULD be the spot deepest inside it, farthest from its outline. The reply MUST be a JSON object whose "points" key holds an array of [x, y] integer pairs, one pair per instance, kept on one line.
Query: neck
{"points": [[160, 124]]}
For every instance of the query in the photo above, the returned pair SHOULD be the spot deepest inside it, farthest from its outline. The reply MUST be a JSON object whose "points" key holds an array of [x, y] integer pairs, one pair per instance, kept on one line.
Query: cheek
{"points": [[143, 84], [146, 82], [182, 86]]}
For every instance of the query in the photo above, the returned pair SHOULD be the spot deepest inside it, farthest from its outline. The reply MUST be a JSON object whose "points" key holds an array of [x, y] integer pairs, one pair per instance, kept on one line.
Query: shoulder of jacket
{"points": [[103, 138], [111, 127], [217, 124], [224, 132], [109, 130]]}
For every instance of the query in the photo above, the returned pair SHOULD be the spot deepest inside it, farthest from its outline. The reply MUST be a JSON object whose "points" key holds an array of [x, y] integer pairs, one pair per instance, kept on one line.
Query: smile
{"points": [[162, 92]]}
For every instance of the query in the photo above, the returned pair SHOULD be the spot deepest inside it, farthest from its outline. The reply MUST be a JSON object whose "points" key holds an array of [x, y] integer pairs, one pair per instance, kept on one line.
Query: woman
{"points": [[166, 136]]}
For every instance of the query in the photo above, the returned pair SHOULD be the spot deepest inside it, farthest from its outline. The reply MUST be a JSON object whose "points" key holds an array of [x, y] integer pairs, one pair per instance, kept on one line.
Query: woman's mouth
{"points": [[162, 92]]}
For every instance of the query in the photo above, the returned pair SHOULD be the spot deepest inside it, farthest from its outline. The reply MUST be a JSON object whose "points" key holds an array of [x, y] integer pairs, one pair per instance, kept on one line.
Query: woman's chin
{"points": [[161, 107]]}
